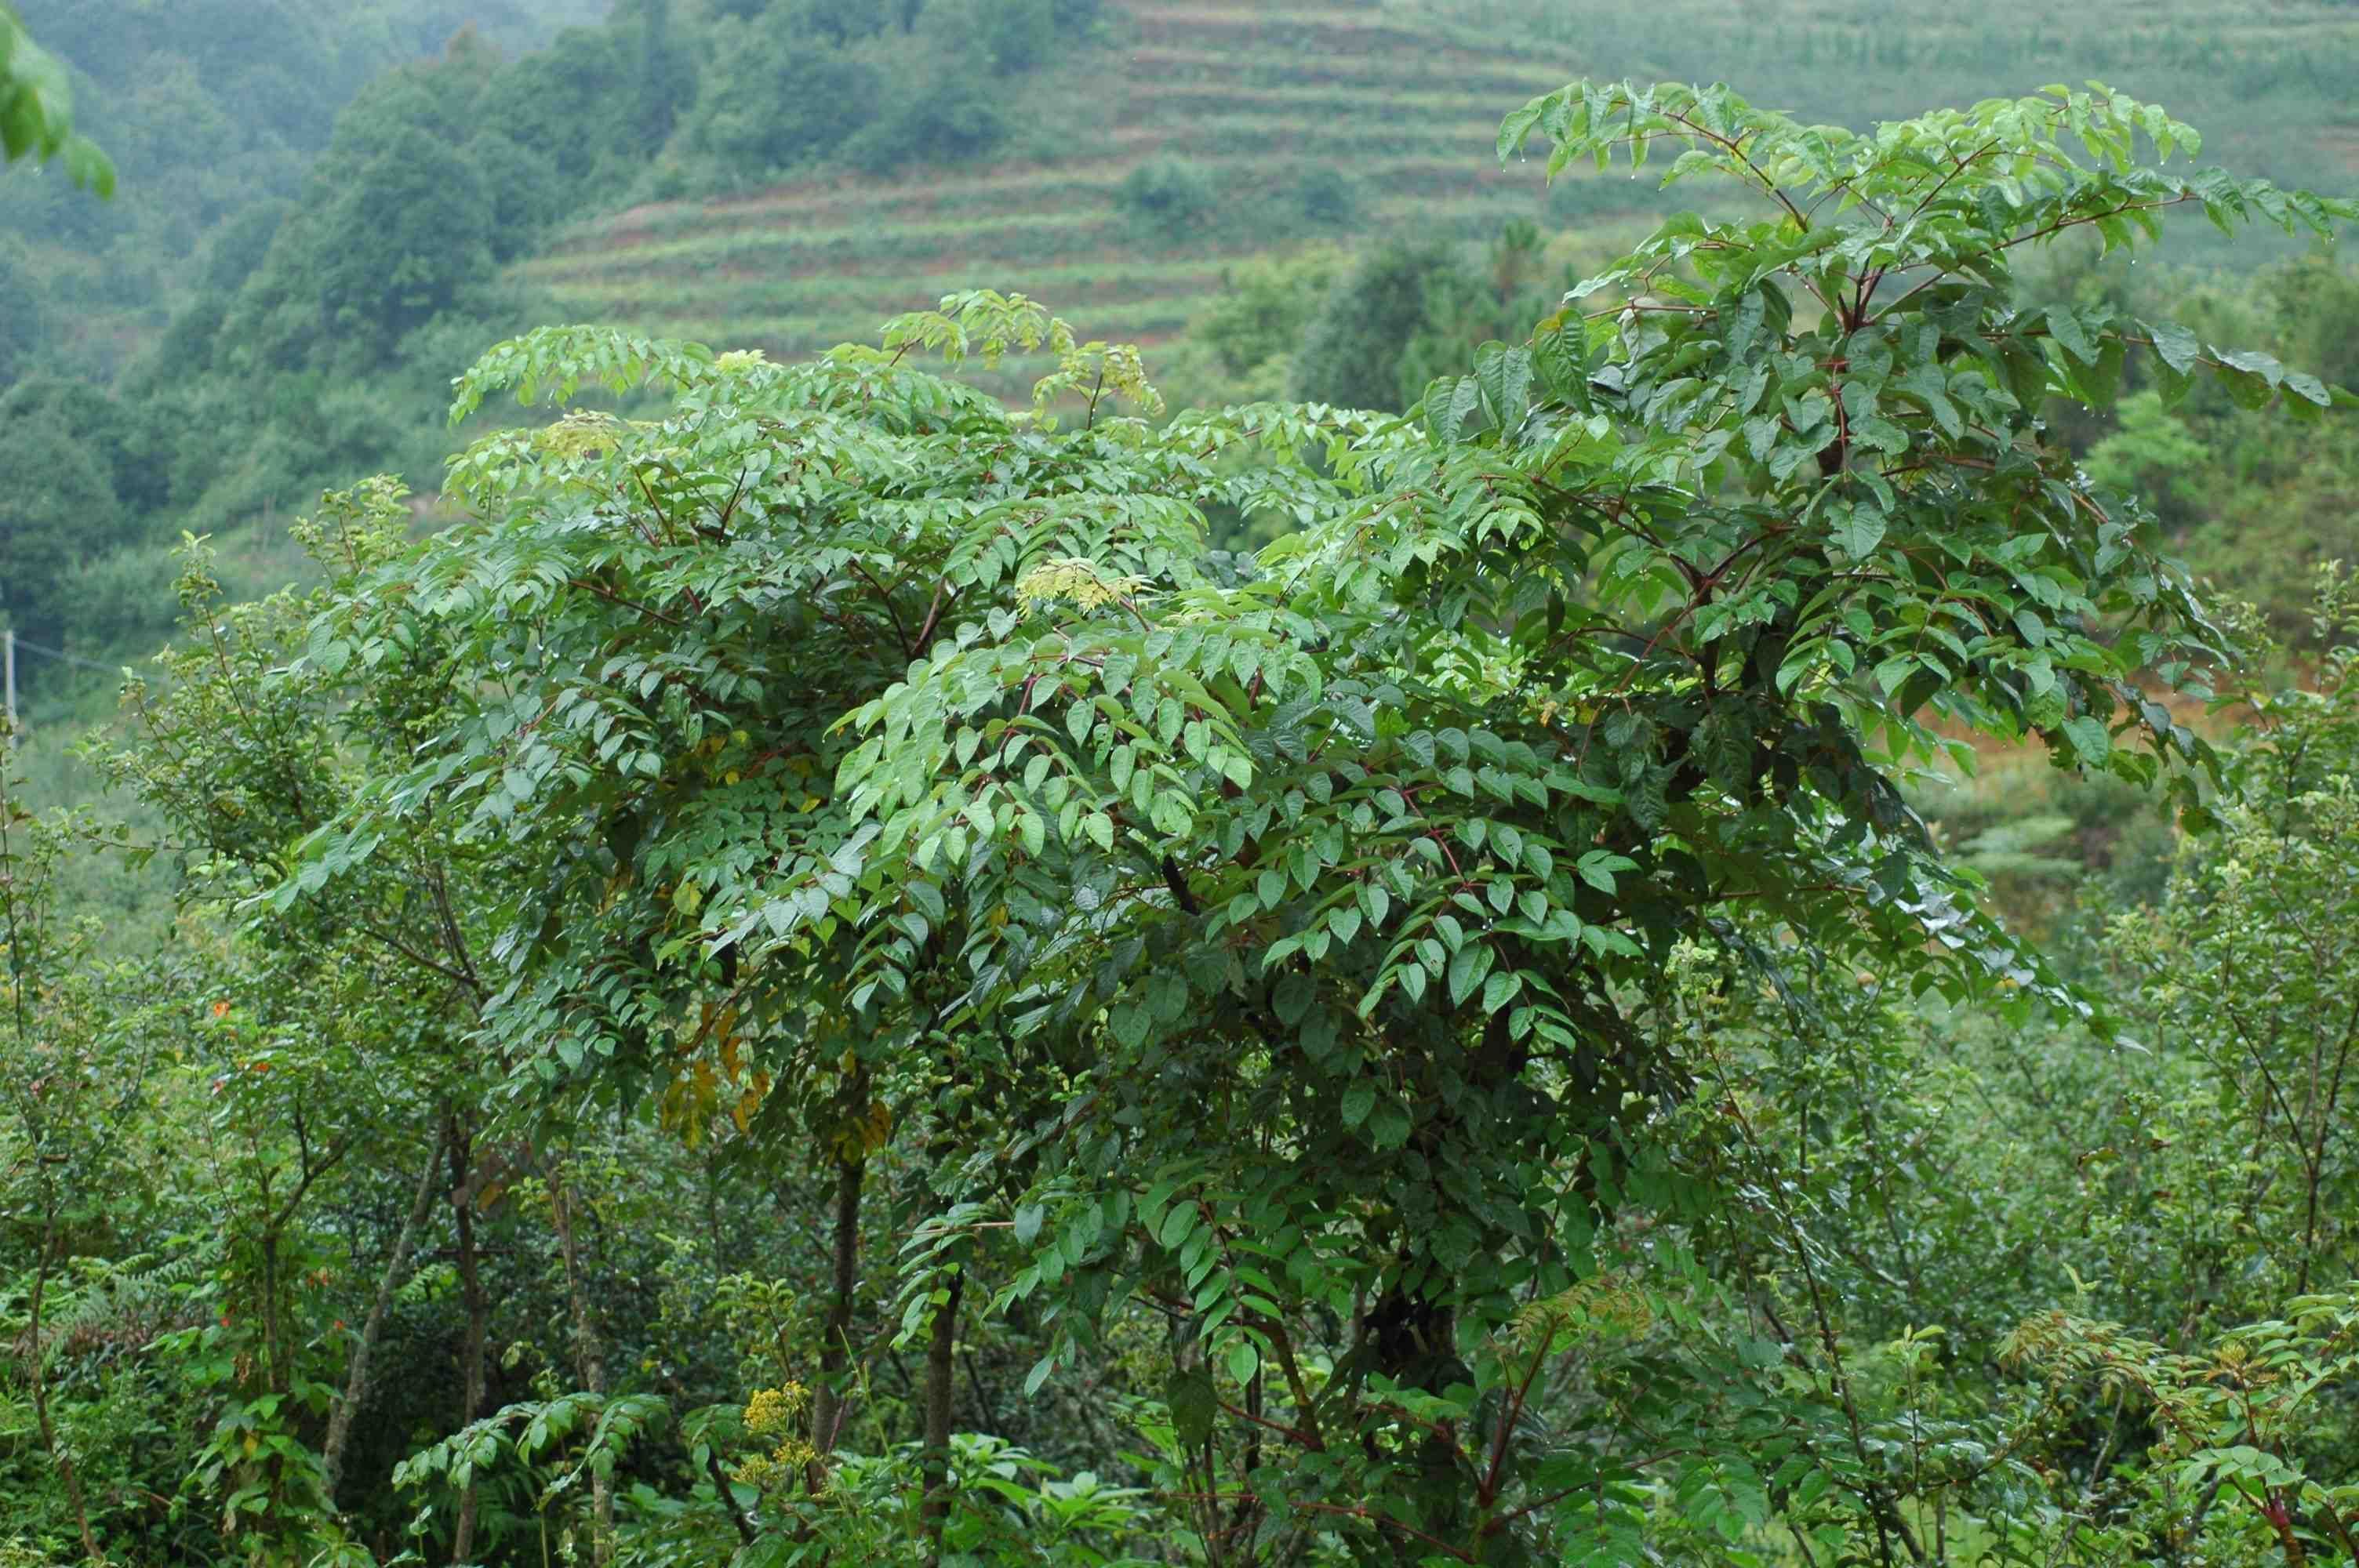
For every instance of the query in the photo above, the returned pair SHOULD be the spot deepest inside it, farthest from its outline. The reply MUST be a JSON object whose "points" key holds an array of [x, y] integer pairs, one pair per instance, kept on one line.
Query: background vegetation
{"points": [[285, 1216], [325, 208]]}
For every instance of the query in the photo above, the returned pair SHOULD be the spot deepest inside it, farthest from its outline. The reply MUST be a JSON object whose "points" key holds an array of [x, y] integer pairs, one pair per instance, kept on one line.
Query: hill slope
{"points": [[212, 111], [1263, 122], [1223, 129]]}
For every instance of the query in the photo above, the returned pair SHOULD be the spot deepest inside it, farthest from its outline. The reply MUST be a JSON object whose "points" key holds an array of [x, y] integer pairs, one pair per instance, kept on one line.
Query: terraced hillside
{"points": [[1394, 103], [1254, 98]]}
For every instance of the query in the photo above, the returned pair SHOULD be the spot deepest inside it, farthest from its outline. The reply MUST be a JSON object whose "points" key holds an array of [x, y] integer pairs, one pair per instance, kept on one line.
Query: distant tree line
{"points": [[312, 317]]}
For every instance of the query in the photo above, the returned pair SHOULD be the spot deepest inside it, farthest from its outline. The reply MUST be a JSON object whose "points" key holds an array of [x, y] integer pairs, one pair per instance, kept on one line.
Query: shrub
{"points": [[944, 115], [1171, 196], [1328, 197], [1353, 350], [773, 100]]}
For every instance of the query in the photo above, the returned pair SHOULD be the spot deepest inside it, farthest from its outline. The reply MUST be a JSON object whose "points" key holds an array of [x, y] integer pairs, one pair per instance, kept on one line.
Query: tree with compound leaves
{"points": [[342, 1032], [665, 778], [1272, 946]]}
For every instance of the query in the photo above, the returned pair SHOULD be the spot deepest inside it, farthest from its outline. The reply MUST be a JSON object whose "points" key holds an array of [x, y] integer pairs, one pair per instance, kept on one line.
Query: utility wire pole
{"points": [[10, 637]]}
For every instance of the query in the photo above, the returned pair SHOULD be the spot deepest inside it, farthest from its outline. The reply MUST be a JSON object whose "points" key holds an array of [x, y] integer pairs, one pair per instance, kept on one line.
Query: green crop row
{"points": [[1497, 79], [842, 294]]}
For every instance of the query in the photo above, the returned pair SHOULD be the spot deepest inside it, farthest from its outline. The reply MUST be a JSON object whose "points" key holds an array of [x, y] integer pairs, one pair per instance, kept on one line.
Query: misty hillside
{"points": [[212, 110], [1187, 136], [326, 211]]}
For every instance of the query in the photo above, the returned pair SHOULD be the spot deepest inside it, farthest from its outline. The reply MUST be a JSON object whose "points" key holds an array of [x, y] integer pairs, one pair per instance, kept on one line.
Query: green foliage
{"points": [[1327, 197], [211, 110], [944, 113], [556, 101], [258, 86], [398, 220], [1012, 35], [798, 88], [773, 100], [1262, 310], [1259, 93], [36, 110], [1319, 916], [60, 503], [76, 1086], [2257, 505], [401, 240], [1171, 197], [2271, 894], [820, 977], [2150, 453], [23, 324], [1353, 348], [1848, 68], [1008, 1507], [603, 1430], [1409, 313]]}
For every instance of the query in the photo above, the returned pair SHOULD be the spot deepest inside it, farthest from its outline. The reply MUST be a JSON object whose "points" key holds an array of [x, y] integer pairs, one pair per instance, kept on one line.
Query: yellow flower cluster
{"points": [[1071, 577], [581, 433], [772, 1409], [776, 1411]]}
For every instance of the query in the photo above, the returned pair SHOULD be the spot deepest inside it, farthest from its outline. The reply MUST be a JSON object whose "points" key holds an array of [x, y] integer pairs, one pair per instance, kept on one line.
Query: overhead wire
{"points": [[30, 646]]}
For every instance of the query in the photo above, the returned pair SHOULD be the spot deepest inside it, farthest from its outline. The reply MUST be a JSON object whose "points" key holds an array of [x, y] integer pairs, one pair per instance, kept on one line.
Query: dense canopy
{"points": [[1445, 1039]]}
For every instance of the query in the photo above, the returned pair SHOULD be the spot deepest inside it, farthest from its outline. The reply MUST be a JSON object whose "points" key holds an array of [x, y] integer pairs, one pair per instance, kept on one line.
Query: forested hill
{"points": [[212, 111], [328, 208]]}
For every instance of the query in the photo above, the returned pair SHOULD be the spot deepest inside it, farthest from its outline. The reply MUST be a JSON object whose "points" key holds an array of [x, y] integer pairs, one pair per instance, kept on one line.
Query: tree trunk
{"points": [[460, 1144], [591, 1354], [941, 1368], [36, 1365], [829, 1403], [1414, 1343], [275, 1372], [340, 1424]]}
